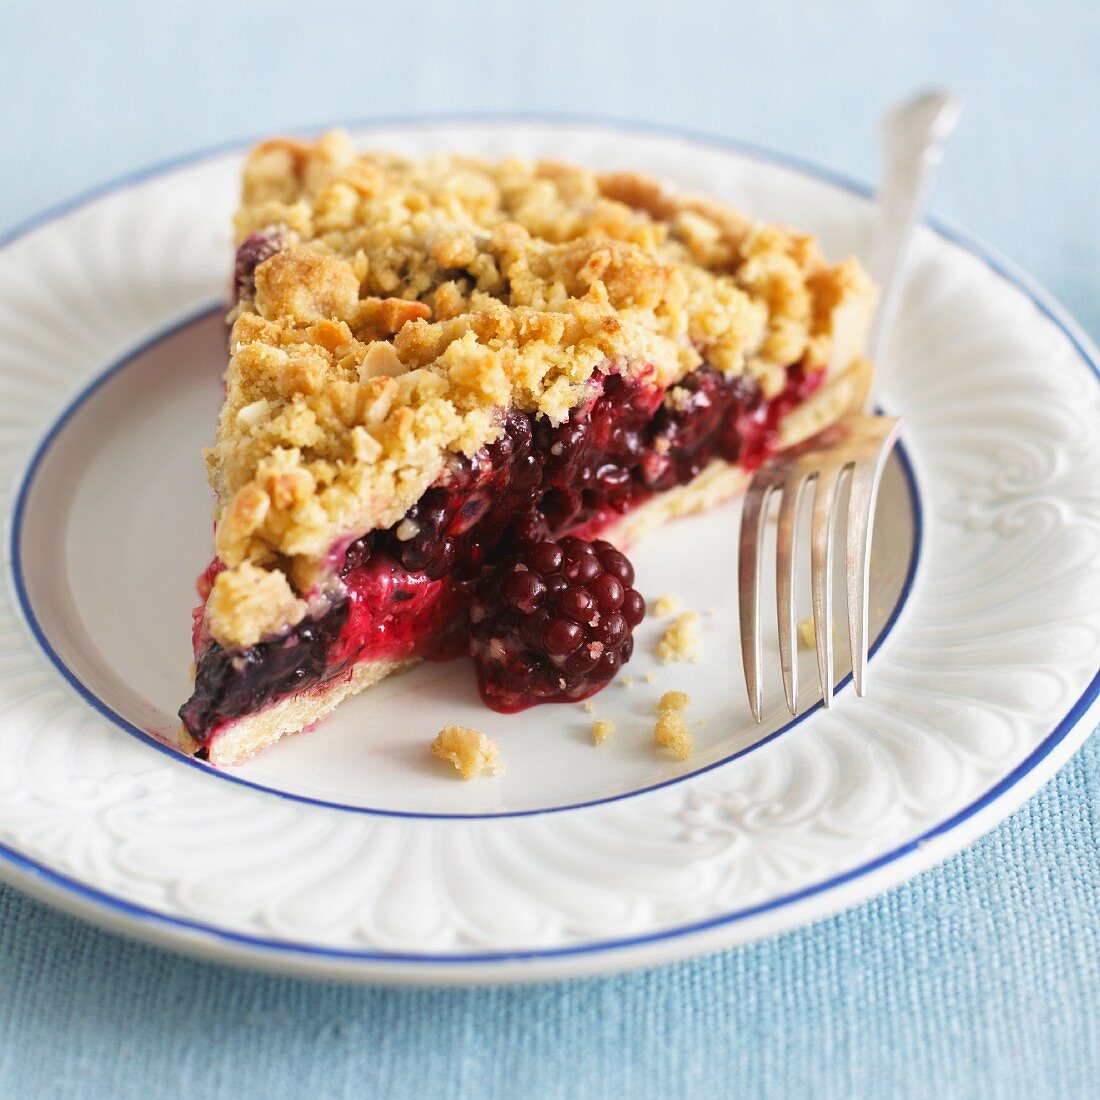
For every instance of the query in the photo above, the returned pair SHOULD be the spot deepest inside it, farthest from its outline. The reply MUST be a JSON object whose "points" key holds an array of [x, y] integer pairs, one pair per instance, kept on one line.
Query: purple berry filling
{"points": [[409, 587]]}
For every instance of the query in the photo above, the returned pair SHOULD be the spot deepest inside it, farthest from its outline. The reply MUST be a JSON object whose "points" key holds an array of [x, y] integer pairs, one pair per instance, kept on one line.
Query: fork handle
{"points": [[912, 135]]}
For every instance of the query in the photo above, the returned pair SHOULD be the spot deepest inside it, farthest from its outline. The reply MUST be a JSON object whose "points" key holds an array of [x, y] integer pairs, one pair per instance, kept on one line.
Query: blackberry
{"points": [[553, 622], [255, 248]]}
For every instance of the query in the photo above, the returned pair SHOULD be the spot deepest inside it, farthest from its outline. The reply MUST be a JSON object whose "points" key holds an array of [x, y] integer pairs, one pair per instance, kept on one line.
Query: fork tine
{"points": [[866, 476], [821, 572], [785, 555], [748, 587]]}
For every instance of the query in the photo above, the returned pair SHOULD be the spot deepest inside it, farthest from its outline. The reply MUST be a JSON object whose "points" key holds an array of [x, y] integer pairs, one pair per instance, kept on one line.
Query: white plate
{"points": [[350, 851]]}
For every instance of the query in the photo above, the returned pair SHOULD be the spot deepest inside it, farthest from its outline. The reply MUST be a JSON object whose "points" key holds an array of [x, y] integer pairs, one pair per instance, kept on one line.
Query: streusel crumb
{"points": [[602, 729], [627, 681], [403, 304], [807, 636], [681, 639], [590, 707], [671, 732], [247, 603], [673, 700], [471, 752], [667, 604], [651, 676]]}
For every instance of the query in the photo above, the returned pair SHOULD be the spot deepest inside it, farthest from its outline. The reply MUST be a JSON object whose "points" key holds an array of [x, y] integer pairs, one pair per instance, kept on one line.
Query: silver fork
{"points": [[851, 453]]}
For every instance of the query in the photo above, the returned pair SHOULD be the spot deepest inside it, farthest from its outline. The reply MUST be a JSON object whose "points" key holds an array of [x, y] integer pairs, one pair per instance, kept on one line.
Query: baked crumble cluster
{"points": [[471, 752], [666, 605], [671, 731], [602, 729], [680, 641], [390, 311]]}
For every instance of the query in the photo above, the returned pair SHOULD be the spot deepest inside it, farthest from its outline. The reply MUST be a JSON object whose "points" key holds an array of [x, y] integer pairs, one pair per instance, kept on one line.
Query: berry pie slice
{"points": [[455, 387]]}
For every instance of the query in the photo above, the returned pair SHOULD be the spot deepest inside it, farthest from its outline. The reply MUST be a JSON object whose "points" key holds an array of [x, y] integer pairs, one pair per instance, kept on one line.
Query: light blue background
{"points": [[980, 978]]}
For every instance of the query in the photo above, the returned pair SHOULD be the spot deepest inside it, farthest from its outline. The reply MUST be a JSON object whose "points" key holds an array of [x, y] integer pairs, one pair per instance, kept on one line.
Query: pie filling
{"points": [[406, 592]]}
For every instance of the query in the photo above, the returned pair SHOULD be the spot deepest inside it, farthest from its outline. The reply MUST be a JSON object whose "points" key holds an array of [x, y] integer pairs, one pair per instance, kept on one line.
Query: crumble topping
{"points": [[602, 729], [411, 301], [673, 701], [665, 605], [248, 603], [680, 641], [471, 752], [671, 730]]}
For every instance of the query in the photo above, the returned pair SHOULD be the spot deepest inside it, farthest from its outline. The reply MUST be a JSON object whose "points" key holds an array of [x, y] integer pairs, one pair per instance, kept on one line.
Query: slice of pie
{"points": [[440, 366]]}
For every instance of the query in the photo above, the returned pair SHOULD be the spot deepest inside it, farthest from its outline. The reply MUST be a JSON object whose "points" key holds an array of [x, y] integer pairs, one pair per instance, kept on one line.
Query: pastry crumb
{"points": [[248, 602], [602, 729], [681, 639], [673, 701], [671, 732], [471, 752], [807, 636], [590, 707], [668, 604], [651, 676], [627, 681]]}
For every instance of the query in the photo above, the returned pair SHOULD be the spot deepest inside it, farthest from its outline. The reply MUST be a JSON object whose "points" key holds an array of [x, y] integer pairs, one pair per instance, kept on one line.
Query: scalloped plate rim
{"points": [[775, 915], [814, 902]]}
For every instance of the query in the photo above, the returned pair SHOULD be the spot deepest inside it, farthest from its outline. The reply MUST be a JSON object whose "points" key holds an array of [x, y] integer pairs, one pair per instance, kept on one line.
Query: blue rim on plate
{"points": [[26, 484], [144, 916]]}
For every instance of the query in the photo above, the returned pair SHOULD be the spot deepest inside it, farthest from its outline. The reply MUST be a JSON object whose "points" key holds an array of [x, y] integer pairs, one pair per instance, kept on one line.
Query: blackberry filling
{"points": [[406, 591], [229, 683]]}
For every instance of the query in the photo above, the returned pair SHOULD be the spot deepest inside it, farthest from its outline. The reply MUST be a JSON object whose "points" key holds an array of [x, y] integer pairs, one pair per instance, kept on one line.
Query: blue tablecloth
{"points": [[980, 978]]}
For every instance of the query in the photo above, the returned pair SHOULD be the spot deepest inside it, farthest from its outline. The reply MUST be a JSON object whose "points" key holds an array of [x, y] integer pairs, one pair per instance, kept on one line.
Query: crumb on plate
{"points": [[681, 639], [668, 604], [602, 729], [671, 732], [651, 676], [590, 707], [471, 752], [673, 700], [627, 681]]}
